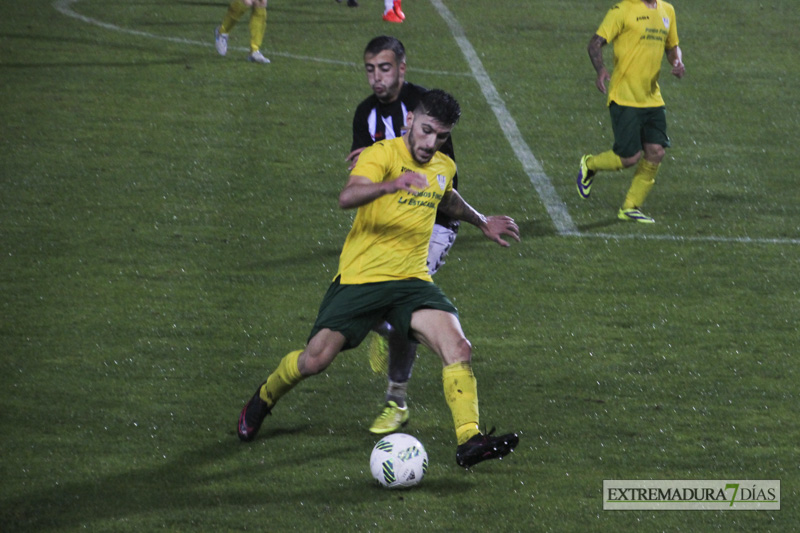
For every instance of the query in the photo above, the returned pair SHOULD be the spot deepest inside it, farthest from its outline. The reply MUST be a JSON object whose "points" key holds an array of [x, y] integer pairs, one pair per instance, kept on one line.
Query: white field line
{"points": [[698, 238], [552, 201]]}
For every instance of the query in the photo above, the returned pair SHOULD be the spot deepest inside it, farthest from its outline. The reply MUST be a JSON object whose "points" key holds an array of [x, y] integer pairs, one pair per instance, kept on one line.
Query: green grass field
{"points": [[168, 226]]}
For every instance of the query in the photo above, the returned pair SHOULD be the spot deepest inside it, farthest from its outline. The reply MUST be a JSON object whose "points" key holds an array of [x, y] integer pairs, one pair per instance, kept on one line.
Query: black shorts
{"points": [[353, 310], [634, 126]]}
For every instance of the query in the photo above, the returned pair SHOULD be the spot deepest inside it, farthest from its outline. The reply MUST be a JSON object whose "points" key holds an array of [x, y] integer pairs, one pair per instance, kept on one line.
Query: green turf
{"points": [[168, 225]]}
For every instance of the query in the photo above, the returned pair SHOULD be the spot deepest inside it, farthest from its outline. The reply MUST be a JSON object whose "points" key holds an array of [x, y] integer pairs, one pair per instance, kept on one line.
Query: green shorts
{"points": [[353, 310], [634, 126]]}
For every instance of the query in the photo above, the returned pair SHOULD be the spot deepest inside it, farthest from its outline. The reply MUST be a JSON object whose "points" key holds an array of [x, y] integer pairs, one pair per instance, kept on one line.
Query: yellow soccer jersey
{"points": [[640, 36], [390, 235]]}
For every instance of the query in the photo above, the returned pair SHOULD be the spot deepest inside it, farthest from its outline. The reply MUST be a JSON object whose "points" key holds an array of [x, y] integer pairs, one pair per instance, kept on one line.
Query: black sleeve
{"points": [[361, 136]]}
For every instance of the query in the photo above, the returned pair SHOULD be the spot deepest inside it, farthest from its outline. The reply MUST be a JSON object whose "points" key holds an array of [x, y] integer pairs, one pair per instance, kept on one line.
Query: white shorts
{"points": [[442, 240]]}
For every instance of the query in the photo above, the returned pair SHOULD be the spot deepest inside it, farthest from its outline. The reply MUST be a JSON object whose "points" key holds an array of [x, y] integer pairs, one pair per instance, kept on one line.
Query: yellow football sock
{"points": [[605, 161], [235, 11], [285, 377], [258, 25], [643, 180], [461, 393]]}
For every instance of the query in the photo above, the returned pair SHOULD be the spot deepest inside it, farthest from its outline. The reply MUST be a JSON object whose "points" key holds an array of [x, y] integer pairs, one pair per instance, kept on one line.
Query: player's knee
{"points": [[463, 351], [630, 161], [311, 363], [655, 153]]}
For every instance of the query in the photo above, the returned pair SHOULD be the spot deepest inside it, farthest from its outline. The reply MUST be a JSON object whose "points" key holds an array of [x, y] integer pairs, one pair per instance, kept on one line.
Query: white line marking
{"points": [[678, 238], [65, 8], [552, 201]]}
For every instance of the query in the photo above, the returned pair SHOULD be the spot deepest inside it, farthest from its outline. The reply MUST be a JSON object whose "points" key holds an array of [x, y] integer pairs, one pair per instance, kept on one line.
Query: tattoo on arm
{"points": [[453, 205], [595, 49]]}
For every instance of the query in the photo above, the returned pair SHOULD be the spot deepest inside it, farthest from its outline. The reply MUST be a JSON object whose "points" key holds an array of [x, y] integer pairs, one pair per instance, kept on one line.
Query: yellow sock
{"points": [[605, 161], [643, 180], [235, 11], [461, 394], [285, 377], [258, 25]]}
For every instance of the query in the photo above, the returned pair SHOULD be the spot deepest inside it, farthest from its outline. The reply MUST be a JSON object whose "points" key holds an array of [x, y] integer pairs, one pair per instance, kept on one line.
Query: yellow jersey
{"points": [[390, 235], [640, 36]]}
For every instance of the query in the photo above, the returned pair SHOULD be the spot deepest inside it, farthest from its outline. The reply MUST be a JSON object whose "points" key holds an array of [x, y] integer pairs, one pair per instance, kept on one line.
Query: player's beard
{"points": [[421, 157]]}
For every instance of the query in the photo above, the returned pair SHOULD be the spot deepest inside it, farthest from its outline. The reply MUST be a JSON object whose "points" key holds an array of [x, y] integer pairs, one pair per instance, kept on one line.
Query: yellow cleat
{"points": [[585, 178], [634, 215], [391, 419], [379, 354]]}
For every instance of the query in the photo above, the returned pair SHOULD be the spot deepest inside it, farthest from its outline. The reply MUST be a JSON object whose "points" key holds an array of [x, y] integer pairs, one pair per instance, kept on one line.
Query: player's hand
{"points": [[678, 69], [498, 225], [602, 78], [410, 182], [352, 157]]}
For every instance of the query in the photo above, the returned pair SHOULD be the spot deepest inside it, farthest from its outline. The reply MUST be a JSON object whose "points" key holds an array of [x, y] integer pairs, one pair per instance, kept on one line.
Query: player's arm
{"points": [[595, 49], [361, 190], [675, 58], [494, 227]]}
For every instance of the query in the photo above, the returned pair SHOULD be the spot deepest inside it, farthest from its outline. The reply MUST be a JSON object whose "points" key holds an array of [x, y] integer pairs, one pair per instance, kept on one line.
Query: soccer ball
{"points": [[398, 461]]}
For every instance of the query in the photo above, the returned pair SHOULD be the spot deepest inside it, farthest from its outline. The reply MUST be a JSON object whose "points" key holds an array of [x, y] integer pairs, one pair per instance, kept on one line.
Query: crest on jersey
{"points": [[442, 181], [666, 22]]}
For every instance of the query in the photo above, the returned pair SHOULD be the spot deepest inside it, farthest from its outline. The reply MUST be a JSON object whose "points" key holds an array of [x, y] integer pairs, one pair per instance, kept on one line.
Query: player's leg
{"points": [[389, 14], [441, 332], [397, 5], [655, 139], [293, 368], [235, 11], [392, 352], [258, 26], [402, 353], [626, 150], [379, 348], [343, 320]]}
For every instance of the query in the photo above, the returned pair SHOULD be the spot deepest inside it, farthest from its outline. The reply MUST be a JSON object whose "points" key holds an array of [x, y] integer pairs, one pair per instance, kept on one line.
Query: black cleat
{"points": [[251, 417], [482, 447]]}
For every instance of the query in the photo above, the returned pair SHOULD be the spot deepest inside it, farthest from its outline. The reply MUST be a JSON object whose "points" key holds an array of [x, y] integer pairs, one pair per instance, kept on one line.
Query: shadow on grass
{"points": [[192, 480], [223, 477]]}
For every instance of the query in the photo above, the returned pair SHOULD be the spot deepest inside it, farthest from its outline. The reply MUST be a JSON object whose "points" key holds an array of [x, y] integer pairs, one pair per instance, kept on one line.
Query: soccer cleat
{"points": [[398, 9], [482, 447], [379, 354], [390, 420], [257, 57], [634, 215], [585, 179], [221, 42], [352, 3], [252, 415], [391, 16]]}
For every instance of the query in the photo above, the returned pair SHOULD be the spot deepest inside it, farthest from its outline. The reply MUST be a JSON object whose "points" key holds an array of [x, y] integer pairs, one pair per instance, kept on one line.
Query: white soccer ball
{"points": [[398, 461]]}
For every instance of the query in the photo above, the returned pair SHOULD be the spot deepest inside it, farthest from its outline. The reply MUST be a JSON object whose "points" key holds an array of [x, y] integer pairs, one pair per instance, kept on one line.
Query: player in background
{"points": [[381, 116], [258, 25], [641, 32], [393, 11], [396, 187]]}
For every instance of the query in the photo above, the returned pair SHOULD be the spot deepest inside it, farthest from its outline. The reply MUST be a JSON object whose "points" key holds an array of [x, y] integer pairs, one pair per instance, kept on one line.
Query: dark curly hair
{"points": [[440, 105]]}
